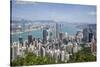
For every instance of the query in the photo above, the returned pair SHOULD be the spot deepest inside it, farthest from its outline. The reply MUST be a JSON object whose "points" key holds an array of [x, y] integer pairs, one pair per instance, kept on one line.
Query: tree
{"points": [[31, 59], [84, 55]]}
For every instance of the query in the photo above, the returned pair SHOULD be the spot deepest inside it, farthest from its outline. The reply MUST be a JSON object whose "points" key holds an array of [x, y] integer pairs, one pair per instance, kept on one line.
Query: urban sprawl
{"points": [[54, 43]]}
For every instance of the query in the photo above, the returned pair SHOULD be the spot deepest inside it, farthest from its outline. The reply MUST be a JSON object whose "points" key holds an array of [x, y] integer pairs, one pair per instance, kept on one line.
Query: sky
{"points": [[53, 11]]}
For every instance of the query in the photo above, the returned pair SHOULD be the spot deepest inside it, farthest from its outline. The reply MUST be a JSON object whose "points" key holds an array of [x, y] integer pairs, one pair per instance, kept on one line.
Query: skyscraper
{"points": [[21, 41], [60, 36], [93, 46], [89, 32], [57, 30], [85, 34], [45, 36], [29, 39], [14, 49], [90, 36]]}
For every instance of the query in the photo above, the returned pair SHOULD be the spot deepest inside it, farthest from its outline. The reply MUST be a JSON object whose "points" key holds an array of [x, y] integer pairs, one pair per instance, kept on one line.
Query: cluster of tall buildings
{"points": [[89, 36], [89, 32], [55, 44], [59, 48]]}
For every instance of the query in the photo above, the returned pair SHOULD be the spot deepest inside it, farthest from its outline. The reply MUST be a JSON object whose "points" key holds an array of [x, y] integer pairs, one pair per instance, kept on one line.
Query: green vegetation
{"points": [[83, 55], [31, 59]]}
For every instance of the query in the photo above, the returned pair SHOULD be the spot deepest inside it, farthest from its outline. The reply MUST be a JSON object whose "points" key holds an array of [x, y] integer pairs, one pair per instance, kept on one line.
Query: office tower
{"points": [[21, 41], [90, 36], [11, 53], [88, 32], [26, 43], [67, 56], [69, 48], [33, 38], [85, 34], [14, 49], [45, 36], [60, 27], [93, 45], [60, 36], [79, 37], [55, 55], [49, 37], [57, 31], [75, 47], [33, 41], [58, 54], [29, 39], [43, 52], [62, 55], [93, 29], [40, 49]]}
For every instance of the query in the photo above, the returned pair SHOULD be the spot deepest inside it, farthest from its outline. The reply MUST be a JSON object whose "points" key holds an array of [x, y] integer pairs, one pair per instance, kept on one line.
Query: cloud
{"points": [[92, 13]]}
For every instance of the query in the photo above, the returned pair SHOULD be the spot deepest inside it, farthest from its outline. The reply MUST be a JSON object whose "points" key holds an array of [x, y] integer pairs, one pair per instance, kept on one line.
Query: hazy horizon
{"points": [[53, 11]]}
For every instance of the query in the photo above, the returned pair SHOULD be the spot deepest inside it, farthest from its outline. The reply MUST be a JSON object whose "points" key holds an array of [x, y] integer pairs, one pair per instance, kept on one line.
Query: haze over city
{"points": [[53, 11]]}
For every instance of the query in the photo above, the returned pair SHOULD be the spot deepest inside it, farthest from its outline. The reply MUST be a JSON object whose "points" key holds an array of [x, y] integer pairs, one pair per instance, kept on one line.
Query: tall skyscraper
{"points": [[57, 30], [90, 36], [29, 39], [60, 36], [85, 34], [93, 45], [14, 50], [21, 41], [45, 33]]}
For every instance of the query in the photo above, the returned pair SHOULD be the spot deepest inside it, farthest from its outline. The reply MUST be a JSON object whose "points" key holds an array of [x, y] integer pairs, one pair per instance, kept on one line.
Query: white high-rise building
{"points": [[75, 48], [44, 51], [67, 55], [62, 55], [14, 50], [69, 47]]}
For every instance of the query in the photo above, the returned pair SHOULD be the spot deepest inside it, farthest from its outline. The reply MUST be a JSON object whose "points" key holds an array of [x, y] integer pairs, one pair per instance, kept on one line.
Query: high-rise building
{"points": [[85, 34], [21, 41], [62, 55], [90, 36], [79, 37], [29, 39], [89, 32], [57, 30], [50, 35], [45, 33], [69, 47], [14, 50], [33, 39], [93, 45], [43, 52], [60, 36], [75, 47]]}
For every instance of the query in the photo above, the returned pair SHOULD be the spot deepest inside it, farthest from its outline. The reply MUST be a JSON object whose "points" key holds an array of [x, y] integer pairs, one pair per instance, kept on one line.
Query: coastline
{"points": [[27, 30]]}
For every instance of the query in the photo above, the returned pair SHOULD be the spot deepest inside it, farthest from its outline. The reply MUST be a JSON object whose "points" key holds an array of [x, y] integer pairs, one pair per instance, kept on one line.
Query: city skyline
{"points": [[53, 11], [47, 33]]}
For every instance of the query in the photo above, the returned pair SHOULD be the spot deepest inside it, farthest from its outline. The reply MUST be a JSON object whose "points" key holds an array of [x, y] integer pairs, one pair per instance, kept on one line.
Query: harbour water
{"points": [[71, 29]]}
